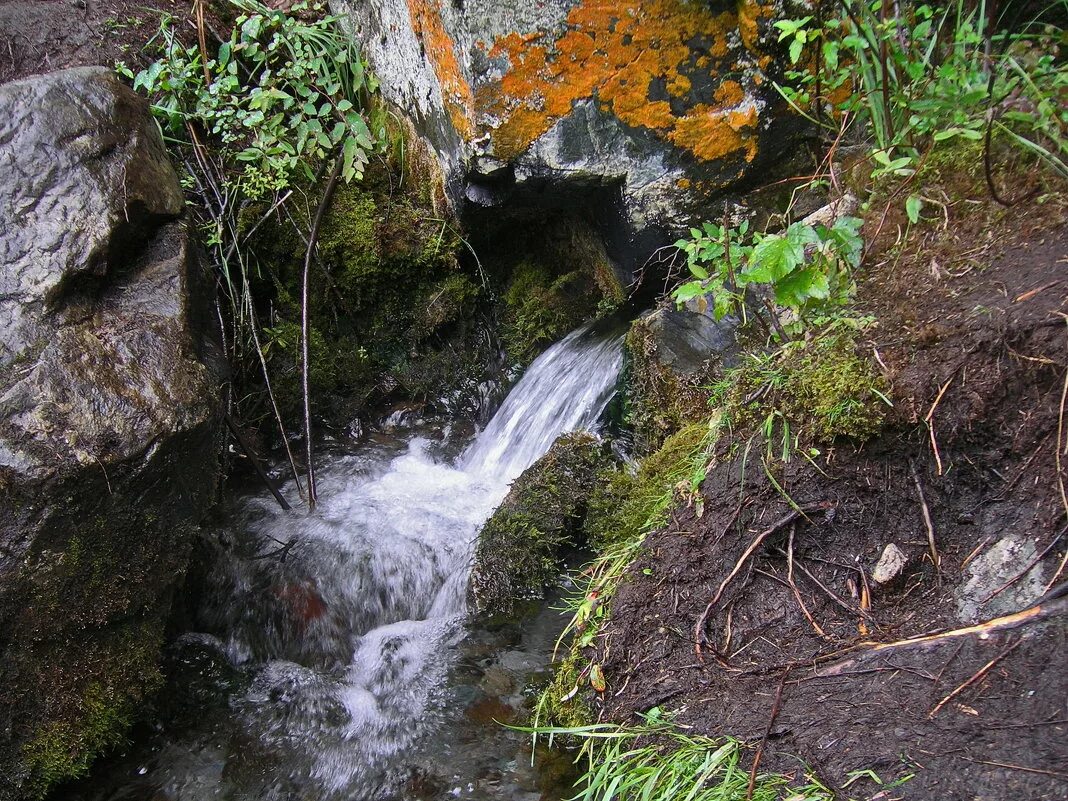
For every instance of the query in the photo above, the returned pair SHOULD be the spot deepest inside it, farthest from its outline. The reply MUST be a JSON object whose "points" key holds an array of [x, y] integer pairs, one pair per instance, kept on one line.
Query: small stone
{"points": [[890, 565]]}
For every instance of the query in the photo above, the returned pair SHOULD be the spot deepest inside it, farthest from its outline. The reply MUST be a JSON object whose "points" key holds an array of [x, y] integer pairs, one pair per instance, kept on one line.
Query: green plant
{"points": [[281, 95], [259, 119], [657, 761], [805, 269], [915, 74]]}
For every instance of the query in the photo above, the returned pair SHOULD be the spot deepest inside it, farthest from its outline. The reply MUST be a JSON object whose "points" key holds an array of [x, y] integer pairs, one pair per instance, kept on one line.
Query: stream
{"points": [[340, 662]]}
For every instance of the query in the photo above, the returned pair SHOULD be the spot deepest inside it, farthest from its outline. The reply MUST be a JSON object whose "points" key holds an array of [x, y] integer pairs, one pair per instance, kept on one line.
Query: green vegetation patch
{"points": [[656, 761], [806, 391]]}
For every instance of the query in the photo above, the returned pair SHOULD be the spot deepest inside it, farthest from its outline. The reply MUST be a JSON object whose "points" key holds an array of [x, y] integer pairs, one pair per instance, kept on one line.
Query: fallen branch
{"points": [[246, 446], [833, 596], [935, 558], [929, 419], [1030, 616], [793, 586], [976, 677], [767, 733], [702, 622]]}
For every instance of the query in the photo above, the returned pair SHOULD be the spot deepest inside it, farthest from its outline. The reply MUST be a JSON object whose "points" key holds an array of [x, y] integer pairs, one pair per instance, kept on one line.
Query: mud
{"points": [[971, 333]]}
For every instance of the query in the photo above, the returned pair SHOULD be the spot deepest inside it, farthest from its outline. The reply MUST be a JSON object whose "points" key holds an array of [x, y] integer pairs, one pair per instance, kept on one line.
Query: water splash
{"points": [[348, 638]]}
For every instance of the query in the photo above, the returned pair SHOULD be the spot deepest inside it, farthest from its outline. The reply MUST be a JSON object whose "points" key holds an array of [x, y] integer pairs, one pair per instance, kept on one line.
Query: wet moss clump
{"points": [[564, 702], [625, 504], [519, 548], [821, 389], [388, 293], [558, 276], [657, 400]]}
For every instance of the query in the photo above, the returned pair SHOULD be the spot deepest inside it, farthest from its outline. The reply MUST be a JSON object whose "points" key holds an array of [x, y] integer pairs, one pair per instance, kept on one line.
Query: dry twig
{"points": [[935, 558], [976, 677], [702, 622]]}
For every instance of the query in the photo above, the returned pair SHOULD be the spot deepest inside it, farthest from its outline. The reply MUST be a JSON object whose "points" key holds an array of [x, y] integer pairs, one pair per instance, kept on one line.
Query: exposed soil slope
{"points": [[972, 336]]}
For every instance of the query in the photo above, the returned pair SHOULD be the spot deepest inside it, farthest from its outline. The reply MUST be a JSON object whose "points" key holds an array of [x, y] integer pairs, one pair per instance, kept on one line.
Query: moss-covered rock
{"points": [[554, 285], [821, 389], [625, 503], [519, 548], [671, 357]]}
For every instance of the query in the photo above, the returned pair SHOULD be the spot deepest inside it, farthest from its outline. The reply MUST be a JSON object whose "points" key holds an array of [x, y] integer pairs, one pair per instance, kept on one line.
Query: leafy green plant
{"points": [[915, 74], [805, 269], [281, 95], [261, 118], [657, 761]]}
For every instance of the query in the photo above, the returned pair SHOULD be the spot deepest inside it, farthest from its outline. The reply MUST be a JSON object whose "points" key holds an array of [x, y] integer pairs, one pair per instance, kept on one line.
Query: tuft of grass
{"points": [[657, 761]]}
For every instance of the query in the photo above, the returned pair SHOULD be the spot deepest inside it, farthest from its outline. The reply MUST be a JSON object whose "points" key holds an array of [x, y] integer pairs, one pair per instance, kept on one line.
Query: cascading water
{"points": [[347, 631]]}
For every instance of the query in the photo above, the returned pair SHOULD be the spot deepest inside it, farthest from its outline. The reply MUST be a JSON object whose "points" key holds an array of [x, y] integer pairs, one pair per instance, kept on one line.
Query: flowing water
{"points": [[337, 633]]}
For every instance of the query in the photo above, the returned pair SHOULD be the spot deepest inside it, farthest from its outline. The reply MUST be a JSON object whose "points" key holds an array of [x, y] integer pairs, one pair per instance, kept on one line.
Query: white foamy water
{"points": [[349, 637]]}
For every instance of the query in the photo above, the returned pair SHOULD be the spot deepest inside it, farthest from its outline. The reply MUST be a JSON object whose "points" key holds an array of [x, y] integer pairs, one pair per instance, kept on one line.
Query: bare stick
{"points": [[1060, 475], [247, 448], [833, 596], [935, 558], [793, 586], [699, 629], [305, 324], [976, 677], [929, 419], [1034, 614], [767, 733]]}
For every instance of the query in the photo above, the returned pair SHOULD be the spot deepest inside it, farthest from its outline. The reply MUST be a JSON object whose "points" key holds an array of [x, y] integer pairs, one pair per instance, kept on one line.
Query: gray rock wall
{"points": [[108, 412], [669, 99]]}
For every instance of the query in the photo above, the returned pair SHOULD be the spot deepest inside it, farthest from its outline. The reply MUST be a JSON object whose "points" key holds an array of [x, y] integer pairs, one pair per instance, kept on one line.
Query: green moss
{"points": [[65, 750], [564, 702], [541, 308], [89, 715], [518, 549], [386, 287], [822, 390], [625, 504], [657, 402]]}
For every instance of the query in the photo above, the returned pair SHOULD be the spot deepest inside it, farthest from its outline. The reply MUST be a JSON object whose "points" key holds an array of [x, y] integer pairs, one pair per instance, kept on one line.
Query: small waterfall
{"points": [[565, 389], [348, 639]]}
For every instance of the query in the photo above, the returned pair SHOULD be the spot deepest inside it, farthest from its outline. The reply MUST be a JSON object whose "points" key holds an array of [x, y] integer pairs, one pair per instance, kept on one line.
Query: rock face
{"points": [[672, 355], [108, 436], [669, 99], [519, 548]]}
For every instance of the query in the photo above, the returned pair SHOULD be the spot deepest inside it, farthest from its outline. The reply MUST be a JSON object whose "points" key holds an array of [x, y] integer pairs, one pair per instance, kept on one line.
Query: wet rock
{"points": [[519, 548], [890, 565], [671, 355], [672, 101], [108, 436], [990, 570]]}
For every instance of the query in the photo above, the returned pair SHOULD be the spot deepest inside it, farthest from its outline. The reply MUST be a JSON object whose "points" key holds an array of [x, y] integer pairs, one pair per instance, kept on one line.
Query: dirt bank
{"points": [[970, 333]]}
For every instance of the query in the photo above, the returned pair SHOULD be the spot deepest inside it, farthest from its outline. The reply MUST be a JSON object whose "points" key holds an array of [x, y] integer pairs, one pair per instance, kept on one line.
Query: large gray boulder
{"points": [[670, 100], [108, 412]]}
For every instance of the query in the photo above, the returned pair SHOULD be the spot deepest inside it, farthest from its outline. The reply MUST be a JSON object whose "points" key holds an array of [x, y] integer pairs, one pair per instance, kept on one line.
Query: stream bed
{"points": [[334, 658]]}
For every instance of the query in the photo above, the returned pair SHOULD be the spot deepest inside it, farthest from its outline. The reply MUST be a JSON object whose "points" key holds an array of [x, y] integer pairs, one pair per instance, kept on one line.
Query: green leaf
{"points": [[803, 285], [913, 207], [773, 258]]}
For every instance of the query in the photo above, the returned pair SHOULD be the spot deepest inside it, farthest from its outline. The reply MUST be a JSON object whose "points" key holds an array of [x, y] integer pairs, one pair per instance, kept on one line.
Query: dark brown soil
{"points": [[971, 309], [39, 36]]}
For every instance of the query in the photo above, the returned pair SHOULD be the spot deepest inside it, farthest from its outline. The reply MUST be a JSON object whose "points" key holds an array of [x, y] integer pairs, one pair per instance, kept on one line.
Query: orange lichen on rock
{"points": [[711, 133], [638, 60], [441, 50]]}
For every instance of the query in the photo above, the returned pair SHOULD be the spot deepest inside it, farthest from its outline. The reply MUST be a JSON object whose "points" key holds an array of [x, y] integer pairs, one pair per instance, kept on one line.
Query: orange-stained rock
{"points": [[669, 97]]}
